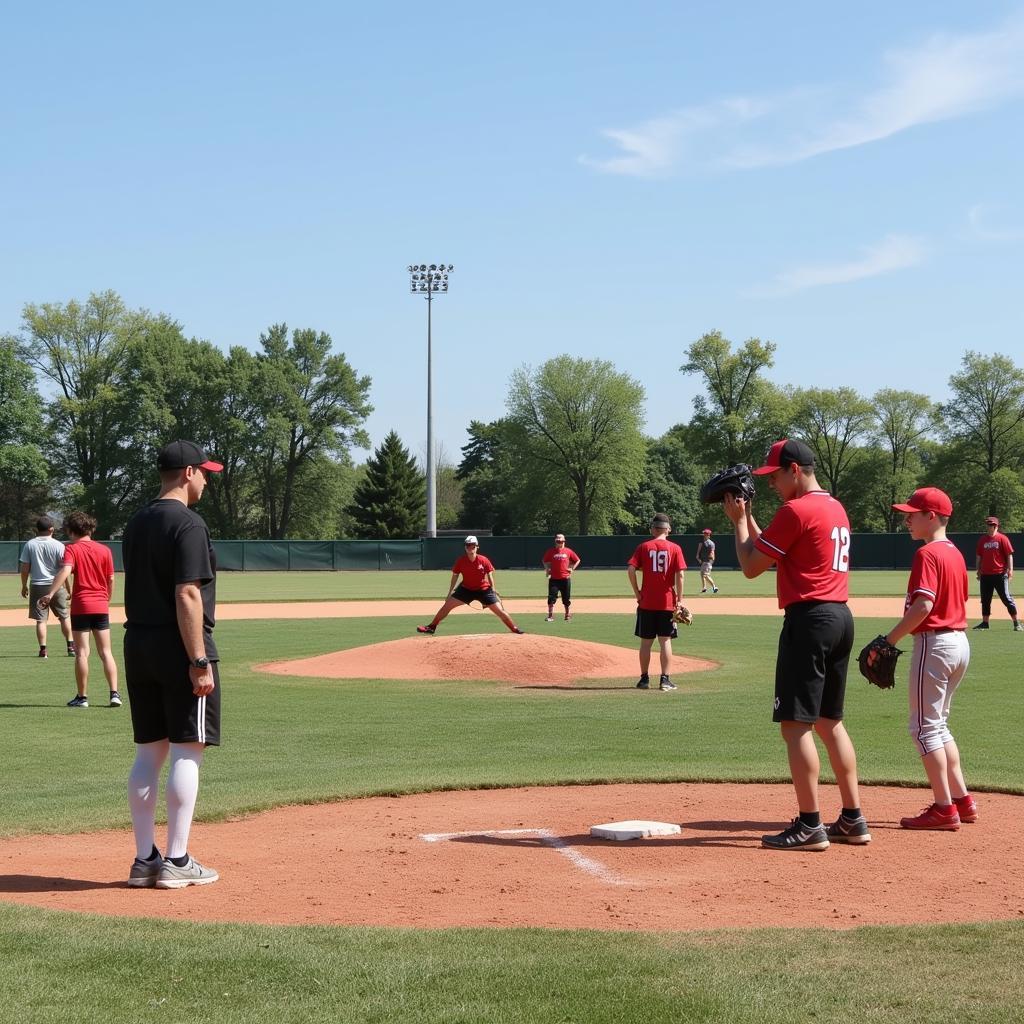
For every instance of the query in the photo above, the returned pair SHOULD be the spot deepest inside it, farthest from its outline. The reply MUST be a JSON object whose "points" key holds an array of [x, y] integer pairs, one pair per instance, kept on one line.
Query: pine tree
{"points": [[390, 501]]}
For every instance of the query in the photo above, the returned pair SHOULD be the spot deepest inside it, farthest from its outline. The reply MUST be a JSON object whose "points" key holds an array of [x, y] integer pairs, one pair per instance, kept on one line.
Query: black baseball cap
{"points": [[661, 522], [784, 453], [179, 454]]}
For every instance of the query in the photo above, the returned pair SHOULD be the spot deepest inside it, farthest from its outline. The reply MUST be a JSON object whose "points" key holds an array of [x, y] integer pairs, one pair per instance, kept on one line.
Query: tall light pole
{"points": [[429, 280]]}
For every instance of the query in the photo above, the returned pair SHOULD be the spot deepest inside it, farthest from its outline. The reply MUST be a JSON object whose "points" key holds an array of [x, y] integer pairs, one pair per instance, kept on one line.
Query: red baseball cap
{"points": [[706, 530], [784, 453], [927, 499], [991, 521]]}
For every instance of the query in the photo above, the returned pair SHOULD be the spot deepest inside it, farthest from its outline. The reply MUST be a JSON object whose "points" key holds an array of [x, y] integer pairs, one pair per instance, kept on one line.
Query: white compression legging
{"points": [[182, 790]]}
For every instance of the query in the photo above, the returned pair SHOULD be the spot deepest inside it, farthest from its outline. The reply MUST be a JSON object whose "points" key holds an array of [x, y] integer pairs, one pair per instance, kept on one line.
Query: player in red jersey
{"points": [[477, 585], [661, 563], [935, 612], [559, 564], [93, 567], [809, 543], [993, 563]]}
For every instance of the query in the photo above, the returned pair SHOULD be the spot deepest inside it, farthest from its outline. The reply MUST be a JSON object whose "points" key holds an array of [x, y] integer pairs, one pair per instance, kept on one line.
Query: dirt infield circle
{"points": [[524, 857]]}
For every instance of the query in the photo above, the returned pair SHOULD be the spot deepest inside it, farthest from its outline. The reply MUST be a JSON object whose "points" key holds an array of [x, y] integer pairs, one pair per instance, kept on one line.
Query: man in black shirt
{"points": [[170, 663]]}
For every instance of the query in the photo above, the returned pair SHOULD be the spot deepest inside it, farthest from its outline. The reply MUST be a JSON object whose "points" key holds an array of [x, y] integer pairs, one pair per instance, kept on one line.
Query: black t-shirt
{"points": [[165, 544]]}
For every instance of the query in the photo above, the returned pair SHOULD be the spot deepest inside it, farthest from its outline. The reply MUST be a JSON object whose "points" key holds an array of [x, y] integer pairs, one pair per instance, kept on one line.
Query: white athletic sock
{"points": [[143, 784], [182, 790]]}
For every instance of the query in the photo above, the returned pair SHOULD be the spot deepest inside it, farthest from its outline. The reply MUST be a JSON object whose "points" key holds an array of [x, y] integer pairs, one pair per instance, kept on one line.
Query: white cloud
{"points": [[980, 219], [894, 252], [946, 77]]}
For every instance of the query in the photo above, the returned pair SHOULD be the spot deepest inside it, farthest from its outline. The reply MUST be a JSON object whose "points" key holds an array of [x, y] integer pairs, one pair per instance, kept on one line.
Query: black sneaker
{"points": [[644, 684], [798, 837], [71, 650], [516, 629], [981, 625], [79, 702], [115, 699], [849, 830], [426, 629], [667, 684], [42, 652]]}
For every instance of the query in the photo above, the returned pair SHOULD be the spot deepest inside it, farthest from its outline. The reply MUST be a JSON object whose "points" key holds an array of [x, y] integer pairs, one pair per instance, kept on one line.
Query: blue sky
{"points": [[610, 182]]}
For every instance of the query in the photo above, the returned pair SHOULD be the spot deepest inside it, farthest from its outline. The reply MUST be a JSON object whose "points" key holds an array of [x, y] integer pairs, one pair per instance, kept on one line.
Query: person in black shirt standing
{"points": [[170, 663]]}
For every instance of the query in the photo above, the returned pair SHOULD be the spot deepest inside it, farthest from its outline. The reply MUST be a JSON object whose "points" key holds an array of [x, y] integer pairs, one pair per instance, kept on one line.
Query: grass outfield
{"points": [[392, 586], [290, 739]]}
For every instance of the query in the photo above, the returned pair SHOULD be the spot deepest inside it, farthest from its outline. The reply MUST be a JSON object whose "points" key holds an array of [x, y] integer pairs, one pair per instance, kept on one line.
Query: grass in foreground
{"points": [[295, 739]]}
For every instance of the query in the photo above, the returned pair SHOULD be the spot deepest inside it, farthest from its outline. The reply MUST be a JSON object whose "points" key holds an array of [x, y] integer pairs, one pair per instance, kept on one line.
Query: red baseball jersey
{"points": [[659, 560], [993, 554], [473, 571], [560, 559], [939, 572], [92, 565], [809, 538]]}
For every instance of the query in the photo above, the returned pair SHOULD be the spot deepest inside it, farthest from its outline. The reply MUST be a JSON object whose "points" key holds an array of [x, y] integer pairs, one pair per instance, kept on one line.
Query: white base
{"points": [[620, 830]]}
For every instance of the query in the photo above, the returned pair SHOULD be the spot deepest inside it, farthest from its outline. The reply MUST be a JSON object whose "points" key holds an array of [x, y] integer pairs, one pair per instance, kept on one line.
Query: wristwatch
{"points": [[200, 662]]}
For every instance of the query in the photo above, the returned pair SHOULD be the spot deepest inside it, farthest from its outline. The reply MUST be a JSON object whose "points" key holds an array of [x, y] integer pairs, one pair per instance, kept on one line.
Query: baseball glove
{"points": [[734, 480], [682, 614], [880, 670]]}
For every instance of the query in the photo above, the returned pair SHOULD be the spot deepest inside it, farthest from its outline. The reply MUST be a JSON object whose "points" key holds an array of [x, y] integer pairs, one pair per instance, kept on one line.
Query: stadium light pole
{"points": [[429, 280]]}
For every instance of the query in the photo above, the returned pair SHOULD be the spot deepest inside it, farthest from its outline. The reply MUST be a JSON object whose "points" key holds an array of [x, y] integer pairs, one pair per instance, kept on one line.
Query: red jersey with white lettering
{"points": [[92, 565], [809, 538], [659, 560], [473, 571], [939, 572], [560, 559], [994, 554]]}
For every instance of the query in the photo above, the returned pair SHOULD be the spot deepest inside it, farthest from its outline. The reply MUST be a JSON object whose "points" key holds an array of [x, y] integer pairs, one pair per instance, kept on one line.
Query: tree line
{"points": [[89, 391]]}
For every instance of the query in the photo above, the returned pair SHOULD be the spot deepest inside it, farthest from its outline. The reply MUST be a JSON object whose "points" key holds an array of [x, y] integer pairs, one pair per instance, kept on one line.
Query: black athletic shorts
{"points": [[87, 623], [556, 587], [654, 624], [814, 653], [485, 597], [160, 693]]}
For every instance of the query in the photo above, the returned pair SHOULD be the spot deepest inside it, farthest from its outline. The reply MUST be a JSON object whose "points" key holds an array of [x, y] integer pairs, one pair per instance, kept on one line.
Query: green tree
{"points": [[670, 483], [580, 425], [390, 501], [985, 413], [310, 403], [739, 413], [490, 479], [23, 470], [832, 422], [80, 349]]}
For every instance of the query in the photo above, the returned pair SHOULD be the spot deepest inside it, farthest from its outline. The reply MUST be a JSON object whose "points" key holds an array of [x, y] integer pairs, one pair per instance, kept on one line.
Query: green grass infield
{"points": [[294, 739]]}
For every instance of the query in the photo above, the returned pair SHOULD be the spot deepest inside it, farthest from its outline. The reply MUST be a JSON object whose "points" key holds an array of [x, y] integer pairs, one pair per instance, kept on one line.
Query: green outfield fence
{"points": [[868, 551]]}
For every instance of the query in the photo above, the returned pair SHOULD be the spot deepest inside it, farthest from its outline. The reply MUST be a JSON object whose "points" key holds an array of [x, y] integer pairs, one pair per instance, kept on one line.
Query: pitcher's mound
{"points": [[523, 660]]}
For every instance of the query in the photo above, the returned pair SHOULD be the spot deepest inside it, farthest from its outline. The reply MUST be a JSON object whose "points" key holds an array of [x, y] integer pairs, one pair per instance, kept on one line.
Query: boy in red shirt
{"points": [[477, 585], [993, 562], [936, 614], [661, 562], [559, 564], [93, 567], [809, 543]]}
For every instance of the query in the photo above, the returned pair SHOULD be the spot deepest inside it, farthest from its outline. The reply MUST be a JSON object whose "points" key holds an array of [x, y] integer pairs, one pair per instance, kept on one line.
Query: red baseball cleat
{"points": [[967, 808], [935, 818]]}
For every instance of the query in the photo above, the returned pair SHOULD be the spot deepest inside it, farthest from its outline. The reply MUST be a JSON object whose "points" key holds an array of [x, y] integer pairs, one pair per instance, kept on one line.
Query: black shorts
{"points": [[654, 624], [160, 693], [556, 587], [814, 654], [485, 597], [87, 623]]}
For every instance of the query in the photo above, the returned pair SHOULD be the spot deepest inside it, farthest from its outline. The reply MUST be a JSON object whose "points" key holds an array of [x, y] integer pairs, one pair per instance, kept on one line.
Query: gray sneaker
{"points": [[798, 837], [144, 873], [847, 830], [193, 873]]}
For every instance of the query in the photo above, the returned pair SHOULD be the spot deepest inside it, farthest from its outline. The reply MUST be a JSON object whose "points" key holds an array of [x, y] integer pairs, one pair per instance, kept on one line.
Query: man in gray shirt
{"points": [[40, 560]]}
